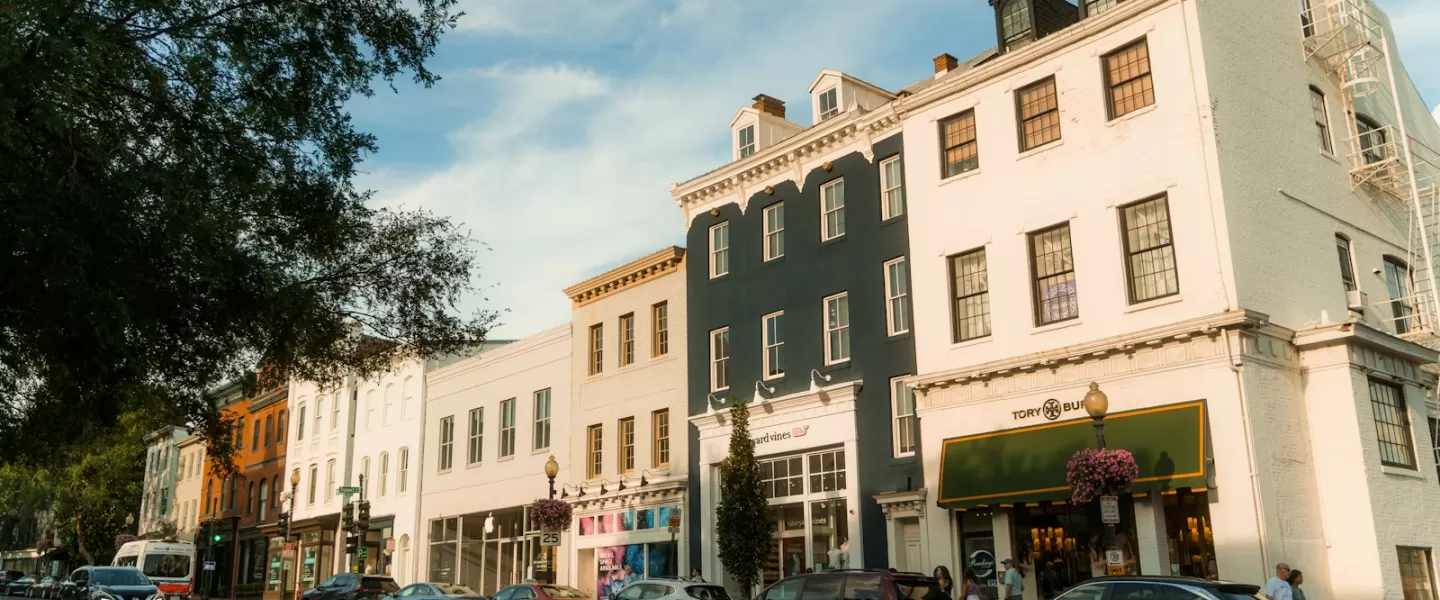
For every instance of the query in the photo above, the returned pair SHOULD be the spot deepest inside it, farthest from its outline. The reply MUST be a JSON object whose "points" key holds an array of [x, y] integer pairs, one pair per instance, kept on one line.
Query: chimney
{"points": [[770, 104], [945, 64]]}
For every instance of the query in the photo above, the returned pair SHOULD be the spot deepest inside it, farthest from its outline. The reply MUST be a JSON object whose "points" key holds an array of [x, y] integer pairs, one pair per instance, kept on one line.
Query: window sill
{"points": [[474, 464], [717, 391], [834, 240], [505, 458], [539, 451], [1331, 156], [964, 175], [779, 377], [900, 218], [835, 366], [725, 275], [1053, 326], [1401, 472], [774, 259], [1041, 149], [1134, 114], [972, 342], [1148, 304], [443, 471]]}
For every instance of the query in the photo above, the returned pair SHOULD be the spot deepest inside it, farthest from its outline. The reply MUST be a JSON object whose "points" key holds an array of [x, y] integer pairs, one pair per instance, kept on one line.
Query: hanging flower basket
{"points": [[1093, 473], [551, 514]]}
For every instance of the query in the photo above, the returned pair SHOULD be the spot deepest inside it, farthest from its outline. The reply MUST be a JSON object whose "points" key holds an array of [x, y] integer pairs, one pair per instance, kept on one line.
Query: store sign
{"points": [[1050, 409], [982, 563], [780, 435]]}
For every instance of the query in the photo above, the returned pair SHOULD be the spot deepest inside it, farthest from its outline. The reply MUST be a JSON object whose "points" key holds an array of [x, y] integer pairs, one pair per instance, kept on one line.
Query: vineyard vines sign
{"points": [[1050, 409], [781, 435]]}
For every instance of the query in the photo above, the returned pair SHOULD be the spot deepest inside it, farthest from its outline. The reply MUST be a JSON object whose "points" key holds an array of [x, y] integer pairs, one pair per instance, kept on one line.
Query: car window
{"points": [[1134, 590], [919, 589], [560, 591], [651, 591], [457, 590], [631, 592], [1175, 592], [1084, 592], [167, 565], [80, 576], [384, 584], [863, 586], [823, 587], [120, 577], [707, 592], [523, 593], [785, 590], [504, 594]]}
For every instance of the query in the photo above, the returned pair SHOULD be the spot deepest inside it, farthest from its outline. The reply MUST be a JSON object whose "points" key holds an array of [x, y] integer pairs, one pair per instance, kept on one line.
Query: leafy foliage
{"points": [[742, 519], [177, 205]]}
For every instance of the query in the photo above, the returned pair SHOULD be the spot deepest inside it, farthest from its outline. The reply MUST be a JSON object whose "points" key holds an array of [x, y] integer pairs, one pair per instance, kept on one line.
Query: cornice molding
{"points": [[658, 491], [790, 156], [909, 503], [827, 396], [634, 273], [1354, 331]]}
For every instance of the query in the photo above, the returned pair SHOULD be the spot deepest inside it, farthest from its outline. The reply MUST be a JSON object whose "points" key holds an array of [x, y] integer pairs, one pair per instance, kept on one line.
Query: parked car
{"points": [[41, 589], [110, 583], [1179, 588], [352, 586], [19, 587], [539, 591], [672, 589], [8, 576], [859, 584], [436, 591]]}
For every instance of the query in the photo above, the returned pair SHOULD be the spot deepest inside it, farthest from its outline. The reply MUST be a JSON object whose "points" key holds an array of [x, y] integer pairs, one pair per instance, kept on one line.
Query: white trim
{"points": [[715, 361], [904, 297], [840, 329], [765, 216], [715, 251], [822, 113], [474, 436], [895, 418], [839, 209], [886, 187], [765, 344], [507, 428]]}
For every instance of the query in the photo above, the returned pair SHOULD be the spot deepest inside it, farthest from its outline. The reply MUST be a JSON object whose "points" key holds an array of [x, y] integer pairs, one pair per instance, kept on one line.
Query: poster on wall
{"points": [[618, 566]]}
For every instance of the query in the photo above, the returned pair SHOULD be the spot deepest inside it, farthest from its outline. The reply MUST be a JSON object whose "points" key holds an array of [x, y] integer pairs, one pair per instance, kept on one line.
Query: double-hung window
{"points": [[773, 326], [892, 189], [832, 210], [402, 476], [1435, 442], [1149, 250], [626, 427], [1372, 140], [1127, 79], [902, 403], [597, 348], [829, 103], [960, 149], [774, 216], [507, 428], [1322, 119], [1052, 270], [897, 297], [476, 438], [660, 429], [542, 419], [745, 140], [1039, 108], [1347, 262], [719, 249], [1397, 282], [970, 290], [1095, 7], [837, 328], [660, 329], [1392, 424], [720, 359], [447, 442], [593, 444], [627, 339]]}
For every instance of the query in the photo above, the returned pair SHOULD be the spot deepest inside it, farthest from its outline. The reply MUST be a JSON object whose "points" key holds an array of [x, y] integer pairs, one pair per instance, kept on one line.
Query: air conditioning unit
{"points": [[1357, 300]]}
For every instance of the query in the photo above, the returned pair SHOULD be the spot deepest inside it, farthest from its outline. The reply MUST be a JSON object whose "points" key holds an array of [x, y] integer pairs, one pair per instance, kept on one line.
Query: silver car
{"points": [[672, 589]]}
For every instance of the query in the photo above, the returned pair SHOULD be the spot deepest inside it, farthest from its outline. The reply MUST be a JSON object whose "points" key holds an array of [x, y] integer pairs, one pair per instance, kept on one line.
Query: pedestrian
{"points": [[1278, 584], [1296, 578], [695, 575], [941, 574], [1014, 580], [970, 587]]}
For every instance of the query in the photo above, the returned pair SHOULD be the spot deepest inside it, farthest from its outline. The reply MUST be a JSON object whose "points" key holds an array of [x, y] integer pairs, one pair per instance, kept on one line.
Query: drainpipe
{"points": [[1237, 365]]}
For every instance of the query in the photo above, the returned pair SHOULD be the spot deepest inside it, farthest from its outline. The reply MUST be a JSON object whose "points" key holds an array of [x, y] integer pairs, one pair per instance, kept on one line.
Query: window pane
{"points": [[897, 295], [1322, 119], [1151, 254], [971, 293], [775, 231], [1416, 580], [1392, 424], [1127, 71], [892, 192], [961, 152], [1053, 265]]}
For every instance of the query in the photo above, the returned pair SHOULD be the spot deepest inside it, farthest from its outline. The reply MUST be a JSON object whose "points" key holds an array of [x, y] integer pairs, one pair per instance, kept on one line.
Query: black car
{"points": [[436, 591], [1169, 588], [110, 583], [353, 586]]}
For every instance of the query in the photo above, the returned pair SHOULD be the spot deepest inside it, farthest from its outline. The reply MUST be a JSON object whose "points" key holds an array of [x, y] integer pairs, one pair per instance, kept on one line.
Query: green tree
{"points": [[177, 205], [742, 519]]}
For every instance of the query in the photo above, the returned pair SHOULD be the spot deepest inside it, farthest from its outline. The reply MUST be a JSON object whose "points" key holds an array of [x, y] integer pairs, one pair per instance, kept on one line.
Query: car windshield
{"points": [[708, 592], [919, 589], [457, 590], [167, 565], [118, 577], [383, 584], [561, 591]]}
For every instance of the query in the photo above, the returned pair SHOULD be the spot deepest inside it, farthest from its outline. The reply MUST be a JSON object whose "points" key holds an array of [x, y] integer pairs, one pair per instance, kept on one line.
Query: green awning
{"points": [[1028, 464]]}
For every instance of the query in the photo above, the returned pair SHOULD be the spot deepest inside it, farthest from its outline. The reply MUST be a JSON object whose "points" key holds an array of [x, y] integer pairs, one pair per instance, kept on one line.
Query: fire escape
{"points": [[1383, 159]]}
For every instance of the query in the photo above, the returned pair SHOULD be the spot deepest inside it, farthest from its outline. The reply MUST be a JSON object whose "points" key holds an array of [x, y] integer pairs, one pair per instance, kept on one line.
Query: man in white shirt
{"points": [[1278, 588]]}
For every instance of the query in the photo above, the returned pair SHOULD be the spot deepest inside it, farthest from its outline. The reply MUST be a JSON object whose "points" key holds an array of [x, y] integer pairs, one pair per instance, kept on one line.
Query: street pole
{"points": [[1100, 443]]}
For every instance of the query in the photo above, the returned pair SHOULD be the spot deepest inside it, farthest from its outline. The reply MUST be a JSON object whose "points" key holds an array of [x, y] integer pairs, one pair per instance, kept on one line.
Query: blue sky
{"points": [[560, 125]]}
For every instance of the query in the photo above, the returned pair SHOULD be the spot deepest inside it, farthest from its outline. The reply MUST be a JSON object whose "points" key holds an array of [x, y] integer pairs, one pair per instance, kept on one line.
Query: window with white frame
{"points": [[542, 419], [299, 426], [627, 339], [832, 210], [1347, 262], [597, 348], [782, 477], [720, 359], [384, 473], [902, 403], [387, 410], [774, 216], [1322, 119], [745, 140], [970, 291], [476, 436], [369, 410], [330, 480], [829, 103], [335, 413], [365, 477], [319, 420], [897, 297], [507, 428], [402, 475], [892, 189], [773, 330], [447, 442], [309, 498], [720, 249], [837, 328]]}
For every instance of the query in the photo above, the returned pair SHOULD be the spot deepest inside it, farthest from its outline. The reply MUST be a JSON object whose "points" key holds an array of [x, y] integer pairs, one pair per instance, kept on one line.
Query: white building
{"points": [[1153, 199], [189, 483], [389, 428], [490, 426], [162, 470], [628, 459]]}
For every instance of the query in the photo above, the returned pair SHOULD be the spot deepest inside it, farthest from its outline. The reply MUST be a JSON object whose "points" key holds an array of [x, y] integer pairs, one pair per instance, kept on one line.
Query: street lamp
{"points": [[289, 524], [552, 469], [1097, 404]]}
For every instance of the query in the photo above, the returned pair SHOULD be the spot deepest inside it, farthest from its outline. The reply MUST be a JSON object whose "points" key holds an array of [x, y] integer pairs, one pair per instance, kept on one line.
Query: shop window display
{"points": [[977, 545], [1064, 544], [1187, 529]]}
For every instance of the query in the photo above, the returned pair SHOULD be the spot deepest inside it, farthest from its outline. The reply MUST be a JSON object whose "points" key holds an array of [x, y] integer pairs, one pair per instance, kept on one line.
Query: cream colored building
{"points": [[188, 486], [1153, 199], [627, 462]]}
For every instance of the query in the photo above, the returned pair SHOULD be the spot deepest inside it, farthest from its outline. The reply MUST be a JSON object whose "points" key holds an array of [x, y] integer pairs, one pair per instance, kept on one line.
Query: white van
{"points": [[168, 563]]}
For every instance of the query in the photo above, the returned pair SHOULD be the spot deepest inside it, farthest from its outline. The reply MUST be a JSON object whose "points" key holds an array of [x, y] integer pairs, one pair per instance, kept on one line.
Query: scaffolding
{"points": [[1354, 46]]}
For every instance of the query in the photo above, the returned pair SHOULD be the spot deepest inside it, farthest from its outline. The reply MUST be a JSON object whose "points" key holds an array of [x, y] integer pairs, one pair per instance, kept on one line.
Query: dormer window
{"points": [[1015, 24], [746, 141], [829, 103]]}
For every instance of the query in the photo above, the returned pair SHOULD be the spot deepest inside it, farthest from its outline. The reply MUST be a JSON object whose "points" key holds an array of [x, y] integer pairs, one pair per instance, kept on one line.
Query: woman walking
{"points": [[947, 584], [1295, 579], [970, 587]]}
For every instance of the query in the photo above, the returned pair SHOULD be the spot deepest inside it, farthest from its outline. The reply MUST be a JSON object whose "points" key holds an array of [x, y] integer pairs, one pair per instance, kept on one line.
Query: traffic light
{"points": [[284, 523], [364, 515], [352, 543], [214, 535], [348, 518]]}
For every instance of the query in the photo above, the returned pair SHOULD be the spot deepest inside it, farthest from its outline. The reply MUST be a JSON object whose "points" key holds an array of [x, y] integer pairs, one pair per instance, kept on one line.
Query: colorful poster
{"points": [[587, 525], [645, 519], [627, 521], [618, 566]]}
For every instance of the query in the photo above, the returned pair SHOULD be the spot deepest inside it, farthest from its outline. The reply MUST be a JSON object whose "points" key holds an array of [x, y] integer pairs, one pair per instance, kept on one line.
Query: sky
{"points": [[560, 125]]}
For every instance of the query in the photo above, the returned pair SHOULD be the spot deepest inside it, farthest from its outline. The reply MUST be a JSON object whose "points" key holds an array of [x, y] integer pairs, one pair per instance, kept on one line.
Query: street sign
{"points": [[209, 566], [288, 554], [550, 538], [1110, 510], [1114, 558], [675, 517], [1115, 571], [363, 552], [348, 490]]}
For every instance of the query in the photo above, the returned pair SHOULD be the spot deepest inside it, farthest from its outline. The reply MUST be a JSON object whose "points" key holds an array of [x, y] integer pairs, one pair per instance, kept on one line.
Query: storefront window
{"points": [[827, 471], [487, 560], [977, 547], [443, 533], [787, 548], [812, 530], [829, 535], [1187, 529], [272, 576], [1065, 544]]}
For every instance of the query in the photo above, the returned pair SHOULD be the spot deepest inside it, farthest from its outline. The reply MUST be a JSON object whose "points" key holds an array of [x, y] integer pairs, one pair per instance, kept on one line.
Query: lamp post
{"points": [[552, 469], [289, 523], [1097, 404]]}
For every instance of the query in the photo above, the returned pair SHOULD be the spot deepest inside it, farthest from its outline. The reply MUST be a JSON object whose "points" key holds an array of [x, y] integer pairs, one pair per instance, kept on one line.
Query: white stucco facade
{"points": [[501, 472], [389, 430], [636, 401], [162, 471], [188, 485], [1260, 331]]}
